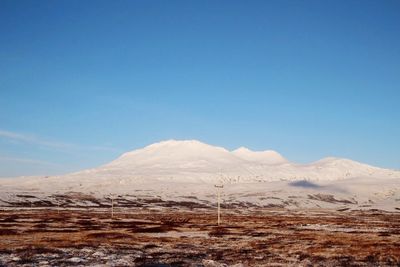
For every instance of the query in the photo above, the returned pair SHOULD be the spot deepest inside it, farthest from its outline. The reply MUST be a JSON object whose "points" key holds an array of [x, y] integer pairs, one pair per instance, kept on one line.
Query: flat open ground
{"points": [[167, 237]]}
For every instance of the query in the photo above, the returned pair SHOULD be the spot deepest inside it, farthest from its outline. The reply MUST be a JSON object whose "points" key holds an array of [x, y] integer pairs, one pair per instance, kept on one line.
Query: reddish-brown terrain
{"points": [[170, 237]]}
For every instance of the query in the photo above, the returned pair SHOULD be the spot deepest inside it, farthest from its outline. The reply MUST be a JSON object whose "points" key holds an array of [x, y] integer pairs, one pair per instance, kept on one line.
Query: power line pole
{"points": [[58, 199], [112, 206], [219, 201]]}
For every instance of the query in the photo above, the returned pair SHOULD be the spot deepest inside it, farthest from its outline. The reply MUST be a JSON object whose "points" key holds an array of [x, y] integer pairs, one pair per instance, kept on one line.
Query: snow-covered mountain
{"points": [[193, 161], [172, 169]]}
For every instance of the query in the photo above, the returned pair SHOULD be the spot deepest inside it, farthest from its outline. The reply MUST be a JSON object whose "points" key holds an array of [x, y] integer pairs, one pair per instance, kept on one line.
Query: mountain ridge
{"points": [[192, 160], [176, 170]]}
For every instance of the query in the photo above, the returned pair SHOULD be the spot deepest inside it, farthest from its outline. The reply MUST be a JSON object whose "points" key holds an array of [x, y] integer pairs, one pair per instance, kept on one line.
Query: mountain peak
{"points": [[174, 142], [193, 149], [183, 145], [241, 149], [172, 151], [265, 157]]}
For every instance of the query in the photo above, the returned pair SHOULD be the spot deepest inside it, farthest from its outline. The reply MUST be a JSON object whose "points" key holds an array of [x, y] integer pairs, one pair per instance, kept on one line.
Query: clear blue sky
{"points": [[83, 81]]}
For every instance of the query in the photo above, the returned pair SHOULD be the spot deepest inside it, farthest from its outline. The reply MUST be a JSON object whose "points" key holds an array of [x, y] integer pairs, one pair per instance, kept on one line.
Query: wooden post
{"points": [[219, 202], [112, 207]]}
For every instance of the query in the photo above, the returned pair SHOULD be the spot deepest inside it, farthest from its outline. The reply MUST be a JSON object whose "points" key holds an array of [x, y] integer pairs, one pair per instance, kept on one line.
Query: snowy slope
{"points": [[172, 169], [193, 161]]}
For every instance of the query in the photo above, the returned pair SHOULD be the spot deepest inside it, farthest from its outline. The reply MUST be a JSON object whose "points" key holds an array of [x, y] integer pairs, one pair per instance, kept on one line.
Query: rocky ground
{"points": [[190, 237]]}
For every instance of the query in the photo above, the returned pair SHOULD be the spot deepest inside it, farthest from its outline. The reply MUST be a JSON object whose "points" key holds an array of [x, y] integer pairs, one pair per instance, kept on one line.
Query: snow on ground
{"points": [[175, 170]]}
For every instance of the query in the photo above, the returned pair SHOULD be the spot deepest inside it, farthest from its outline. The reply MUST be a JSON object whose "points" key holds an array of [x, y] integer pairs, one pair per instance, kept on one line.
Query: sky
{"points": [[83, 81]]}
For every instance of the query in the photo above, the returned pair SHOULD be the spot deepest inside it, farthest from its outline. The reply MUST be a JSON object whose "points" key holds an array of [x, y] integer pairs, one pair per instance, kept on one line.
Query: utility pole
{"points": [[112, 207], [58, 200], [219, 201]]}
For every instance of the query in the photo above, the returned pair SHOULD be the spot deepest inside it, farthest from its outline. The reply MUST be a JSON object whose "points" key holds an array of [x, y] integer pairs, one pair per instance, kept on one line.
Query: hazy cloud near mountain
{"points": [[39, 141]]}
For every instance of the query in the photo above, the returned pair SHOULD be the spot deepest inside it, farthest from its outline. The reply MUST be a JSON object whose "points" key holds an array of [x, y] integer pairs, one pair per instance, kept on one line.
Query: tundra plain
{"points": [[189, 236]]}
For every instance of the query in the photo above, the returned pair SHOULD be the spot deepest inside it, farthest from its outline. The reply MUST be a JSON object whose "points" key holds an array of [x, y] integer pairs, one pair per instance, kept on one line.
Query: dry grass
{"points": [[263, 237]]}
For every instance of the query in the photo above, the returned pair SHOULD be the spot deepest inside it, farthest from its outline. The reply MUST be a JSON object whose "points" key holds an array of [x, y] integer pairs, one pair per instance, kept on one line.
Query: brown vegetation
{"points": [[139, 237]]}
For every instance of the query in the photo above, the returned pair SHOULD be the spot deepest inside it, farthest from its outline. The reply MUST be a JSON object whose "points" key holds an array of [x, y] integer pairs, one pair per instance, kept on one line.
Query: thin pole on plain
{"points": [[219, 202], [112, 207], [58, 199]]}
